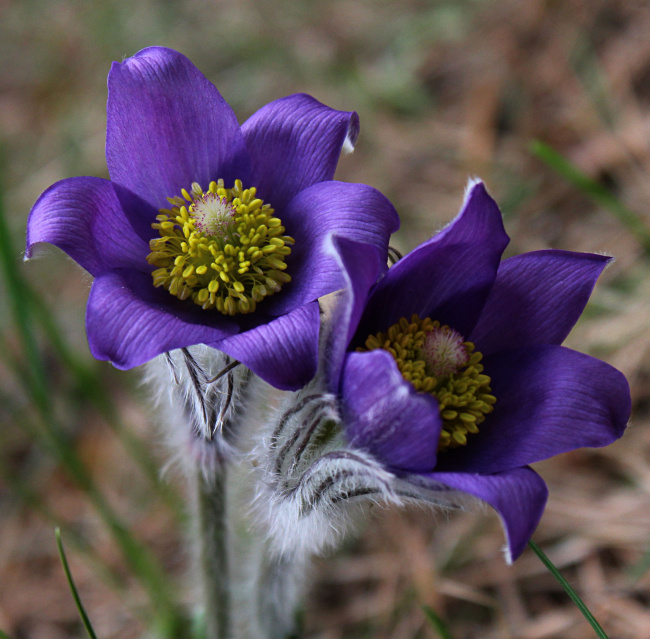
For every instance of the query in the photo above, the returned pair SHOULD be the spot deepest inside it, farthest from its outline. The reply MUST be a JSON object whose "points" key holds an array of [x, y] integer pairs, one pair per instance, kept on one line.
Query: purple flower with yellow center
{"points": [[208, 232], [451, 370]]}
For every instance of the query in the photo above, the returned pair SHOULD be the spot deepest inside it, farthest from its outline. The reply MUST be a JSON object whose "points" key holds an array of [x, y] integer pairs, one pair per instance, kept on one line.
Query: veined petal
{"points": [[355, 211], [539, 297], [550, 400], [83, 217], [384, 414], [168, 126], [129, 322], [360, 266], [447, 278], [295, 142], [283, 351], [519, 497]]}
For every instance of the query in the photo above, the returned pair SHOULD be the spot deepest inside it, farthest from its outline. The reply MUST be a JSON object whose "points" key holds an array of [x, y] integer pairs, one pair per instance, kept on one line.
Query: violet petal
{"points": [[539, 297], [129, 322], [83, 217], [355, 211], [360, 265], [447, 278], [384, 414], [550, 400], [168, 126], [295, 142], [283, 351]]}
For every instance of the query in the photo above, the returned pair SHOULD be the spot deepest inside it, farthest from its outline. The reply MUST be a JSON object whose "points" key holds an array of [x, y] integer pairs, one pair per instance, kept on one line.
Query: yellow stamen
{"points": [[223, 248]]}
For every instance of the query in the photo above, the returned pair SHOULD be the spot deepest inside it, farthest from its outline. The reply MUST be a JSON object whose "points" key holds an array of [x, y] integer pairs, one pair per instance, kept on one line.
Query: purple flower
{"points": [[208, 232], [480, 338]]}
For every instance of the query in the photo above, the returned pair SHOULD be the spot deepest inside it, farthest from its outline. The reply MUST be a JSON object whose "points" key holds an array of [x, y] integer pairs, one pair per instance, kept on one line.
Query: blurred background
{"points": [[547, 101]]}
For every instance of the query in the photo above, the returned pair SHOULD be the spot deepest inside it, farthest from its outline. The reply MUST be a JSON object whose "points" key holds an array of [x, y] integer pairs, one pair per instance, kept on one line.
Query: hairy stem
{"points": [[279, 592], [217, 413], [212, 521]]}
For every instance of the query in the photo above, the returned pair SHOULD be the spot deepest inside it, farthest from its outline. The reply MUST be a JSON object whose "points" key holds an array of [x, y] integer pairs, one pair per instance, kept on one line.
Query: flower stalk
{"points": [[215, 414], [204, 396], [212, 533]]}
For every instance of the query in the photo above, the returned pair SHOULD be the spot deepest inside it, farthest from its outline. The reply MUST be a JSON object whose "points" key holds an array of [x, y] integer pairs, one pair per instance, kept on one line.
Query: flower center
{"points": [[223, 248], [435, 359]]}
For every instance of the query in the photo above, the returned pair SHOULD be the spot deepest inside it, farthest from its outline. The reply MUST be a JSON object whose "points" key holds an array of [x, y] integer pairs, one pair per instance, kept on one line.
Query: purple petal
{"points": [[550, 400], [295, 142], [355, 211], [384, 414], [168, 126], [129, 322], [360, 266], [518, 495], [447, 278], [539, 297], [283, 352], [83, 217]]}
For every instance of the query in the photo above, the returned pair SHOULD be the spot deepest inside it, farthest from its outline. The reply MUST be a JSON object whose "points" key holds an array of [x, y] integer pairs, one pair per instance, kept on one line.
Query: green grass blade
{"points": [[597, 192], [569, 590], [73, 589], [4, 635], [437, 623]]}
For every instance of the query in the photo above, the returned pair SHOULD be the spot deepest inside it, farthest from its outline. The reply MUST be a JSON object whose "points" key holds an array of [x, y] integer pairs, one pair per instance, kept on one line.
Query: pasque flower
{"points": [[208, 232], [451, 370]]}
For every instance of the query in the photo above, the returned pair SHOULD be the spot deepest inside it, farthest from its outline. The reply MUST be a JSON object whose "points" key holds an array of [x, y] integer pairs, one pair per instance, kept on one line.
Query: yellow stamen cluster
{"points": [[464, 395], [222, 248]]}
